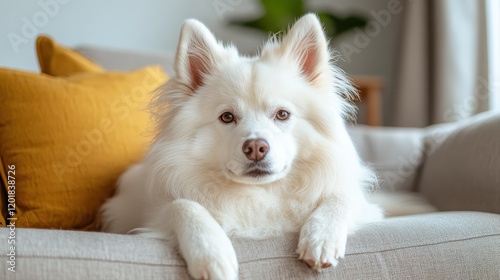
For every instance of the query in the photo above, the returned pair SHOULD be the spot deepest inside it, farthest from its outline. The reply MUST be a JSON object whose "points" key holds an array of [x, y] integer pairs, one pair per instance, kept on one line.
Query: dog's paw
{"points": [[321, 248], [213, 262], [213, 268]]}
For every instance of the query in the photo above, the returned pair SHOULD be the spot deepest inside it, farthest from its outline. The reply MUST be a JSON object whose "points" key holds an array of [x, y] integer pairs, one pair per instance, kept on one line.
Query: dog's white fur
{"points": [[193, 188]]}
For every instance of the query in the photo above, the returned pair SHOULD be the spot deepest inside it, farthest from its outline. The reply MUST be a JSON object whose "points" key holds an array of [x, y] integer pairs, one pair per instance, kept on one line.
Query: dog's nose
{"points": [[255, 149]]}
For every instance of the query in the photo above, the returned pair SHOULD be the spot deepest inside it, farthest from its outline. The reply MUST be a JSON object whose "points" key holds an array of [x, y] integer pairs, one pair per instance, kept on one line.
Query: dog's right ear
{"points": [[197, 53], [306, 45]]}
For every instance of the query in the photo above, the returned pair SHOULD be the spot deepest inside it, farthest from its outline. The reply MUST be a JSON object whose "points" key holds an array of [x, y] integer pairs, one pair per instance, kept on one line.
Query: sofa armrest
{"points": [[463, 172], [395, 153]]}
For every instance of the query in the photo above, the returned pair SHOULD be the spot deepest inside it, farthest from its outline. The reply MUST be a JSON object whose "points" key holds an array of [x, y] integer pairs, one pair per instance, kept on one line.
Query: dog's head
{"points": [[250, 118]]}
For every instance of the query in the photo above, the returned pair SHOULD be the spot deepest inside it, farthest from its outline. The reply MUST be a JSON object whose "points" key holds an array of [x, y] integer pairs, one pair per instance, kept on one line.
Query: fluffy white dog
{"points": [[248, 146]]}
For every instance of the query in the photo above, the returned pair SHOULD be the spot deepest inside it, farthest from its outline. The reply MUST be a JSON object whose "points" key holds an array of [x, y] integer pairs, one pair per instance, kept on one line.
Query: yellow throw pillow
{"points": [[70, 139], [57, 60]]}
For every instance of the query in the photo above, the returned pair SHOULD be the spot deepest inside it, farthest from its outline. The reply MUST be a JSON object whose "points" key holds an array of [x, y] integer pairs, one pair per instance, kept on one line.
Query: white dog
{"points": [[248, 146]]}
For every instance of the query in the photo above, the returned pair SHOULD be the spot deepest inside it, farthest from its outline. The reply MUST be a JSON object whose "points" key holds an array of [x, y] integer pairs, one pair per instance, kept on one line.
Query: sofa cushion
{"points": [[395, 153], [462, 172], [70, 138], [57, 60], [454, 245]]}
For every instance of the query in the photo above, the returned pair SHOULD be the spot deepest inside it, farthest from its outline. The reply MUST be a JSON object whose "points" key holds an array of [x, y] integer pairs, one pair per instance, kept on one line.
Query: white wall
{"points": [[153, 25]]}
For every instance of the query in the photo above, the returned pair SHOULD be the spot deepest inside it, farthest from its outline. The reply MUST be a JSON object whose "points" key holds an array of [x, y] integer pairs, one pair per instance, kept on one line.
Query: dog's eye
{"points": [[282, 115], [226, 117]]}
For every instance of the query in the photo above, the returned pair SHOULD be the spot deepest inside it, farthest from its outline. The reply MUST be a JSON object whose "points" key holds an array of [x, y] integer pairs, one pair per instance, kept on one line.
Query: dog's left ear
{"points": [[197, 53], [306, 44]]}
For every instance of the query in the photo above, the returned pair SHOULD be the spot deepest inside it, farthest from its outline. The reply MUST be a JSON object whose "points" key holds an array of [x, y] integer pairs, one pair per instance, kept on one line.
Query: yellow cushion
{"points": [[57, 60], [70, 139]]}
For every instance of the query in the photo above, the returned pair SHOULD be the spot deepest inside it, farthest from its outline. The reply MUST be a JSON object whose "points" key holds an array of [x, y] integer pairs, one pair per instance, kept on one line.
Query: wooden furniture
{"points": [[369, 88]]}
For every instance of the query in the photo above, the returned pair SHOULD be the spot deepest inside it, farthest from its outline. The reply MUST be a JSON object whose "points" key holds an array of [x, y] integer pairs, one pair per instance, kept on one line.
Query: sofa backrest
{"points": [[121, 60], [395, 153], [462, 169]]}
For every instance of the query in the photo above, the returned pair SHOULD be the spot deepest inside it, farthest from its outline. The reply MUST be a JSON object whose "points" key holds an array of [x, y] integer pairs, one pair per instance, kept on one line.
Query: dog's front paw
{"points": [[214, 262], [320, 247], [214, 268]]}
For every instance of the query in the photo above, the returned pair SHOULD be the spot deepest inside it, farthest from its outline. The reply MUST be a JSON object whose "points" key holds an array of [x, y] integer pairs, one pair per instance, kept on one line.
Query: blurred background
{"points": [[422, 61]]}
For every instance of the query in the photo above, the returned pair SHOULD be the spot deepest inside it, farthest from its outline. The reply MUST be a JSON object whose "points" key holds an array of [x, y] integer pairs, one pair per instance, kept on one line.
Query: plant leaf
{"points": [[336, 25], [279, 14]]}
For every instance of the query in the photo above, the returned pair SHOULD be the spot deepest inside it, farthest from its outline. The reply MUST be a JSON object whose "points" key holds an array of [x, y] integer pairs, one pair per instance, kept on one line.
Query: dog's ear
{"points": [[197, 52], [306, 44]]}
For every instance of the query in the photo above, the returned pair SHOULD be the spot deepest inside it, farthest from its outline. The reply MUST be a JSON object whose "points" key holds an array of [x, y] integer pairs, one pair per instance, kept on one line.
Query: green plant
{"points": [[279, 14]]}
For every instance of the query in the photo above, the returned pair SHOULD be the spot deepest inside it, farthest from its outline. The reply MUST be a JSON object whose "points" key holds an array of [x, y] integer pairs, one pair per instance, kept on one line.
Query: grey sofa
{"points": [[456, 167]]}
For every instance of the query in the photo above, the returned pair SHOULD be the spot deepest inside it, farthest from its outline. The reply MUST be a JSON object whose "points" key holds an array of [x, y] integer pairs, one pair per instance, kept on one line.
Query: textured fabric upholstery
{"points": [[453, 245], [463, 171]]}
